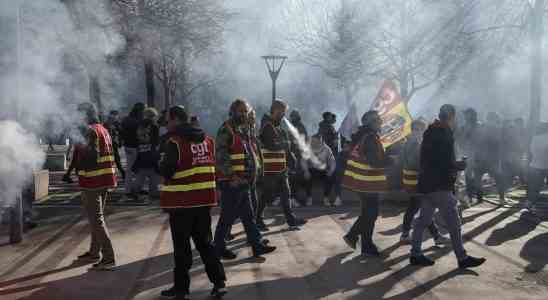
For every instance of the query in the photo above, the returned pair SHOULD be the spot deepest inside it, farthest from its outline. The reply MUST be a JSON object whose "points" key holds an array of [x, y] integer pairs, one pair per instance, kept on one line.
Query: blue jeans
{"points": [[236, 203]]}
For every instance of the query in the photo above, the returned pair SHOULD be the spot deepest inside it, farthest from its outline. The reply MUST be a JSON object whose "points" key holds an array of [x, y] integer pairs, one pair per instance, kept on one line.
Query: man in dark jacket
{"points": [[237, 168], [189, 216], [328, 132], [366, 175], [130, 141], [437, 176], [275, 146], [114, 127]]}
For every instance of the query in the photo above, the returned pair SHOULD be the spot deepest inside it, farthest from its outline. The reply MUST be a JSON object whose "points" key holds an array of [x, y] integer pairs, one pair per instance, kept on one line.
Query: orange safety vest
{"points": [[237, 155], [410, 181], [361, 177], [103, 175], [193, 184], [274, 162]]}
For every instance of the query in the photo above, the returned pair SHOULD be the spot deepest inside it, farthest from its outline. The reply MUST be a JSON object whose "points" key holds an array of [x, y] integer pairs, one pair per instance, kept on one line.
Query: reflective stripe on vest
{"points": [[359, 176], [237, 155], [103, 174], [274, 161], [410, 180], [193, 184]]}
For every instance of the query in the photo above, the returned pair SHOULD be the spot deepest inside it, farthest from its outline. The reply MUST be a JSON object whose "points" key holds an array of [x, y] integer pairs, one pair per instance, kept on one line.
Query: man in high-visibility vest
{"points": [[275, 148], [188, 194], [96, 177], [410, 158], [365, 174], [237, 164]]}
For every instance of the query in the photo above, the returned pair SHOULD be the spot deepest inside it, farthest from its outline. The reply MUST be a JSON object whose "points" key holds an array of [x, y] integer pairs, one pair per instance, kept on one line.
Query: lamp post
{"points": [[274, 63]]}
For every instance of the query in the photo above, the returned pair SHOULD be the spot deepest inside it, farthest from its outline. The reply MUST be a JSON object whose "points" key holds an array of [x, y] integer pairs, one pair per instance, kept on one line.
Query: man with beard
{"points": [[275, 148], [237, 171]]}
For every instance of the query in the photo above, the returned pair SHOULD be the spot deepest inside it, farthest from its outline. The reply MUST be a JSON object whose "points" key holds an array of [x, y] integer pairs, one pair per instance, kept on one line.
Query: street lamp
{"points": [[274, 63]]}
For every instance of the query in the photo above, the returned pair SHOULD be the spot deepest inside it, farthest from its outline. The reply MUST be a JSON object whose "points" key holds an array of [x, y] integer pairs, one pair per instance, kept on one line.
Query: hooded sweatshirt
{"points": [[168, 165], [325, 160]]}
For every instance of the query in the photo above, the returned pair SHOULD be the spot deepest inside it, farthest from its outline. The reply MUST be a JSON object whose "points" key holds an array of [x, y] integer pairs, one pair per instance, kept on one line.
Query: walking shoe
{"points": [[228, 255], [104, 265], [371, 251], [262, 249], [471, 262], [88, 257], [350, 242], [326, 201], [421, 261], [297, 222], [276, 202], [338, 202], [441, 241], [405, 238], [171, 293], [219, 290]]}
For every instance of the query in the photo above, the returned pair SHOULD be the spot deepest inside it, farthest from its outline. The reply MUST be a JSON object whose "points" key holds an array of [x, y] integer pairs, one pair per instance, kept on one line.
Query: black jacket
{"points": [[170, 151], [330, 136], [128, 132], [148, 146], [371, 148], [438, 167]]}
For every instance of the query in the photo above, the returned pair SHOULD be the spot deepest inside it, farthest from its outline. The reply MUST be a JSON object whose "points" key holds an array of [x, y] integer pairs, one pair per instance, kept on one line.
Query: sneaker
{"points": [[350, 242], [338, 202], [104, 265], [297, 222], [219, 290], [89, 257], [371, 251], [171, 293], [309, 201], [263, 249], [421, 261], [441, 241], [326, 201], [471, 262], [276, 202], [405, 238], [228, 255]]}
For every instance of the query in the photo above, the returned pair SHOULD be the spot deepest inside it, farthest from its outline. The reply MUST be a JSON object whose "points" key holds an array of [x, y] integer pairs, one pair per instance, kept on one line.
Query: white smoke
{"points": [[304, 147], [20, 156]]}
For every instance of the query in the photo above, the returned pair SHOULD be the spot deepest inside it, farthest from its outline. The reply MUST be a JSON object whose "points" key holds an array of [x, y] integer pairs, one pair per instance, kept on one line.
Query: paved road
{"points": [[312, 263]]}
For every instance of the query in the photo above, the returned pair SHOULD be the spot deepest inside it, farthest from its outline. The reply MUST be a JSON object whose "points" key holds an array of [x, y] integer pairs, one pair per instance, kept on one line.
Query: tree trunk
{"points": [[536, 65], [404, 86], [149, 82], [95, 93]]}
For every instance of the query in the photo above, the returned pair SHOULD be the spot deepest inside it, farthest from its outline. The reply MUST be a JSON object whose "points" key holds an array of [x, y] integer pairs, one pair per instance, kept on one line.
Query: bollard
{"points": [[16, 220]]}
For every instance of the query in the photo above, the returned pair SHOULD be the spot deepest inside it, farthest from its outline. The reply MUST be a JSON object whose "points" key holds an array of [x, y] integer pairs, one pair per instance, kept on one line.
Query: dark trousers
{"points": [[235, 203], [254, 204], [327, 182], [412, 209], [193, 223], [536, 179], [116, 152], [365, 224], [271, 185]]}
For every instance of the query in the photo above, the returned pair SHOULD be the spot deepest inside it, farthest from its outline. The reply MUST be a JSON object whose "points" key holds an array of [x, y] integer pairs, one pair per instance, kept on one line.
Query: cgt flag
{"points": [[396, 120]]}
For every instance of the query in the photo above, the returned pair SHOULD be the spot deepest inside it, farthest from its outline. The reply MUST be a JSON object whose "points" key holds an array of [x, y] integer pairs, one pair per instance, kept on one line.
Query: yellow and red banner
{"points": [[396, 120]]}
